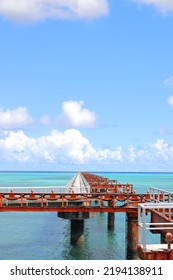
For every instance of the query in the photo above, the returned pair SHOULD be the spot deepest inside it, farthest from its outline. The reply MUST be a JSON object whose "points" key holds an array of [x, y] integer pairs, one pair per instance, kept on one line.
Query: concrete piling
{"points": [[111, 223], [111, 218], [131, 235], [77, 231]]}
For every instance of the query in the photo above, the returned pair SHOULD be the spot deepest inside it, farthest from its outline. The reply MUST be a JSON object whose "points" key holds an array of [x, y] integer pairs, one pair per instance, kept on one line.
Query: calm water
{"points": [[45, 236]]}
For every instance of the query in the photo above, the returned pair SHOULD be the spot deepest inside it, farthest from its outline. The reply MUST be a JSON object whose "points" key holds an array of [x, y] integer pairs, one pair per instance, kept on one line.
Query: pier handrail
{"points": [[158, 195], [144, 225], [27, 189]]}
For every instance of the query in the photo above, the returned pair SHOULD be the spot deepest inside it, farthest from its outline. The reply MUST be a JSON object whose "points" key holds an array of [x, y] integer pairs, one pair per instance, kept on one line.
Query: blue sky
{"points": [[86, 85]]}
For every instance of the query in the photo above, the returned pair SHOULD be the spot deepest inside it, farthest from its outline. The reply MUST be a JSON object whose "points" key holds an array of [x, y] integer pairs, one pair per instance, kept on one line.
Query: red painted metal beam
{"points": [[155, 254], [69, 209], [118, 202]]}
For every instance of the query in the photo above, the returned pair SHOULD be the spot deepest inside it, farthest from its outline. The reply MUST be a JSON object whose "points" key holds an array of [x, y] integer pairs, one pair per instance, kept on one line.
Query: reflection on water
{"points": [[99, 242], [78, 251]]}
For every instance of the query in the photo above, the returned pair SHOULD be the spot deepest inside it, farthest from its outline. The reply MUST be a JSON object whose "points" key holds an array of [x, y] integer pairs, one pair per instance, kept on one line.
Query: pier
{"points": [[87, 194]]}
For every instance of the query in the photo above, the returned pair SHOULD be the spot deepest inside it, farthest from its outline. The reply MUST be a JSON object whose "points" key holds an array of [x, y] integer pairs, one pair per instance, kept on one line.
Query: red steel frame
{"points": [[69, 202]]}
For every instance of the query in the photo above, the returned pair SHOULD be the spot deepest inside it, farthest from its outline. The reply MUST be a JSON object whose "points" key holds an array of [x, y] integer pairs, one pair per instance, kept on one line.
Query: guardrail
{"points": [[144, 225], [43, 189], [124, 188], [159, 195], [20, 199]]}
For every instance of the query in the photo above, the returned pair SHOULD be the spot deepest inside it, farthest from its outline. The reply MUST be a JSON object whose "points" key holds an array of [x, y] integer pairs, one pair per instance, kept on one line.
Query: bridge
{"points": [[86, 194]]}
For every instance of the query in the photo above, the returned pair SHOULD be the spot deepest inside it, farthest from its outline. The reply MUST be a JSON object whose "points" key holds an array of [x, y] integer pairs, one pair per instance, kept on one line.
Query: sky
{"points": [[86, 85]]}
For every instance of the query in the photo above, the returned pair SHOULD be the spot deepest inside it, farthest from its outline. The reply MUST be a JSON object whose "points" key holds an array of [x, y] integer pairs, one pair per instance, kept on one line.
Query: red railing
{"points": [[67, 201]]}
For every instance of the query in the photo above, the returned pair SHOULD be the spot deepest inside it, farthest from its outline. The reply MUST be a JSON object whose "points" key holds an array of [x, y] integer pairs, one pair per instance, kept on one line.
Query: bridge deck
{"points": [[91, 202]]}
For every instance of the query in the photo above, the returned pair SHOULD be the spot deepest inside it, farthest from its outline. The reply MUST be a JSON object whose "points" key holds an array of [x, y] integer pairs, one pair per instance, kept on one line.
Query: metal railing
{"points": [[144, 225], [159, 195], [35, 189]]}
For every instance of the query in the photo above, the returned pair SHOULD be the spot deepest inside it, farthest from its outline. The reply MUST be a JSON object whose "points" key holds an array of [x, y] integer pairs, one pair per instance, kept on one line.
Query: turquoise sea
{"points": [[44, 236]]}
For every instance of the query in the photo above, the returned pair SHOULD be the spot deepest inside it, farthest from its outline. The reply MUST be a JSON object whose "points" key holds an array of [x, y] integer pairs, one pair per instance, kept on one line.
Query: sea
{"points": [[44, 236]]}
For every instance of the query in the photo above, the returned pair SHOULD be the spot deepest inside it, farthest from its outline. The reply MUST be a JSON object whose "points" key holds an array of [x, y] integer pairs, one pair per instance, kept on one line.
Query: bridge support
{"points": [[77, 231], [131, 235], [111, 219], [77, 224]]}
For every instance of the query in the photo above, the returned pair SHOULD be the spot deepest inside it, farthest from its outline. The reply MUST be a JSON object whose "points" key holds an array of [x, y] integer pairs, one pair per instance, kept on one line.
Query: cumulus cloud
{"points": [[170, 100], [162, 150], [65, 147], [131, 153], [17, 118], [74, 116], [34, 10], [71, 147], [161, 5], [108, 155]]}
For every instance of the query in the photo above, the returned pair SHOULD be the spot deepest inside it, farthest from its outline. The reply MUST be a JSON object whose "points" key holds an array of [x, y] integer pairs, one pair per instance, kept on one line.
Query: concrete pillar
{"points": [[77, 224], [111, 224], [77, 231], [111, 218], [131, 235]]}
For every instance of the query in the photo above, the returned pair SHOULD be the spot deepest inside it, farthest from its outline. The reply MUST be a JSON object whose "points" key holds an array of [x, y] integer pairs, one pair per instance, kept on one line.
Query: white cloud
{"points": [[169, 82], [74, 116], [161, 5], [159, 145], [34, 10], [17, 118], [107, 155], [65, 147], [162, 150], [131, 154], [170, 100], [72, 148]]}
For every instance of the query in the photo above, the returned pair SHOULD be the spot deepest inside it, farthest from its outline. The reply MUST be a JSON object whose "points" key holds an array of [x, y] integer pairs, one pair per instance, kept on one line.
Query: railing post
{"points": [[144, 229], [0, 200], [101, 201], [62, 201], [21, 200], [86, 200], [42, 201], [139, 223]]}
